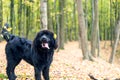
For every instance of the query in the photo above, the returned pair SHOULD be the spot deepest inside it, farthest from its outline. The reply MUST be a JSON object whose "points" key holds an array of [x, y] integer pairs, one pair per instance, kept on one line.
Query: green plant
{"points": [[3, 76]]}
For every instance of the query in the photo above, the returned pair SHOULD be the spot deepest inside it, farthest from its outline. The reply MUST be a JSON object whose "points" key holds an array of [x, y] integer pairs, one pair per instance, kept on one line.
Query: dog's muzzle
{"points": [[45, 41], [45, 45]]}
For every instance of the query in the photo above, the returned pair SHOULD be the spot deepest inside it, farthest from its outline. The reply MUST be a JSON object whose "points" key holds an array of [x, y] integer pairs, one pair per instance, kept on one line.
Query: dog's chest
{"points": [[46, 57], [43, 58]]}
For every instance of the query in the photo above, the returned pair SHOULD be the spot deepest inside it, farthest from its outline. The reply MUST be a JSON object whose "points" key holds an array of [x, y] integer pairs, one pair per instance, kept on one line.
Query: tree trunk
{"points": [[57, 24], [74, 18], [19, 17], [12, 15], [28, 11], [94, 28], [82, 31], [1, 16], [116, 41], [61, 21], [50, 26], [43, 14], [86, 20], [111, 23], [117, 35], [98, 42], [58, 31], [38, 17], [24, 19]]}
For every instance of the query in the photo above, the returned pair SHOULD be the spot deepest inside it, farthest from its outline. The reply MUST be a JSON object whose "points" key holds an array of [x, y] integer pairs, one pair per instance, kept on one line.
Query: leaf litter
{"points": [[68, 65]]}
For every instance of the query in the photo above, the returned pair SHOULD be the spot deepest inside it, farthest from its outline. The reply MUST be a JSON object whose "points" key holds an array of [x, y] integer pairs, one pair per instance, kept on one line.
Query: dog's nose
{"points": [[44, 39]]}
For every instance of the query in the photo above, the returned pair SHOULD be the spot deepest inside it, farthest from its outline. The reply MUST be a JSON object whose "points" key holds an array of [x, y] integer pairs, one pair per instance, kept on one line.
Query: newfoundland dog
{"points": [[38, 53]]}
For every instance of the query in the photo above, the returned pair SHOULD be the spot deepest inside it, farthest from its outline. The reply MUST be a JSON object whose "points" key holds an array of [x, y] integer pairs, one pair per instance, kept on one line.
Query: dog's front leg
{"points": [[46, 73], [37, 74], [10, 72]]}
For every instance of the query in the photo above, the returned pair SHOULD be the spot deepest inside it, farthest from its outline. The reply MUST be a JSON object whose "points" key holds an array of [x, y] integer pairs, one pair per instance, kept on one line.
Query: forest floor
{"points": [[68, 65]]}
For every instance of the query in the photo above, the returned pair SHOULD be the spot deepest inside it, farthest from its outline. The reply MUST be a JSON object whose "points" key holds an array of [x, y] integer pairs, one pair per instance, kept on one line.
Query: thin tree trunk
{"points": [[82, 31], [27, 20], [1, 16], [66, 29], [38, 17], [43, 14], [57, 24], [12, 15], [94, 28], [111, 23], [50, 26], [115, 43], [74, 18], [19, 17], [86, 22], [61, 21], [117, 34], [98, 42], [106, 30], [58, 31]]}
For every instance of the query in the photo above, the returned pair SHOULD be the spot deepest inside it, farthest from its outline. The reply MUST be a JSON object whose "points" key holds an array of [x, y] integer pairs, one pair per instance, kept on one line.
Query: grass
{"points": [[2, 76]]}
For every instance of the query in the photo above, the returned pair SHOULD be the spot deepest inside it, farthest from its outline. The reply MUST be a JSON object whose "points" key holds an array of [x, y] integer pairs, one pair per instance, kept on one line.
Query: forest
{"points": [[26, 17], [89, 22]]}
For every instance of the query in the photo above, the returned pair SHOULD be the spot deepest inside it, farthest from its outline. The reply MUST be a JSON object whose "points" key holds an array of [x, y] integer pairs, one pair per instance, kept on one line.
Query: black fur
{"points": [[34, 53]]}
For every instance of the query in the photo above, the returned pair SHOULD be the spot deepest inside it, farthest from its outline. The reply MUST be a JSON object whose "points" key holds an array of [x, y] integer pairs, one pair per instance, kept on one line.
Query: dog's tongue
{"points": [[45, 45]]}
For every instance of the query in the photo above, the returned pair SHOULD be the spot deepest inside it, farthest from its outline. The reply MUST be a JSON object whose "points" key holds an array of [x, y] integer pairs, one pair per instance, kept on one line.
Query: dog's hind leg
{"points": [[11, 67]]}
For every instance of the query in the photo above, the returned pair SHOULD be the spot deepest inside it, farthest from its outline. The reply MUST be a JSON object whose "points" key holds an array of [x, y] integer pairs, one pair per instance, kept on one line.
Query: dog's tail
{"points": [[5, 32]]}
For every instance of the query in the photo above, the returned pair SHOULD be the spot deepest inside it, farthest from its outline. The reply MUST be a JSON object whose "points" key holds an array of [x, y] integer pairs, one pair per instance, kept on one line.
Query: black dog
{"points": [[38, 53]]}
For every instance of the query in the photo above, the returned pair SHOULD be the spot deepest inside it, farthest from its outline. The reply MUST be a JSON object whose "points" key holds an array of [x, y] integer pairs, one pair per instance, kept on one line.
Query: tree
{"points": [[95, 31], [82, 31], [19, 17], [111, 21], [28, 11], [1, 15], [12, 14], [61, 16], [117, 30], [74, 21], [61, 23], [43, 14], [50, 26]]}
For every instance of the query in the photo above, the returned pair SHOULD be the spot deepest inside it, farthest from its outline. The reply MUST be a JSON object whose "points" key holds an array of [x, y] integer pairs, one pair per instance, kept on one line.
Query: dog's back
{"points": [[19, 48]]}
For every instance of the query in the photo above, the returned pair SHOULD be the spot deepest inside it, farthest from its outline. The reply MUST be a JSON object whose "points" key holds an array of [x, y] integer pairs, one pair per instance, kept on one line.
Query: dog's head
{"points": [[45, 40]]}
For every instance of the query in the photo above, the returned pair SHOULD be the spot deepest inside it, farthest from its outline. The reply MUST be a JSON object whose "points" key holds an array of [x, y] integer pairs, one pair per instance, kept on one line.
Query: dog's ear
{"points": [[35, 41], [56, 42]]}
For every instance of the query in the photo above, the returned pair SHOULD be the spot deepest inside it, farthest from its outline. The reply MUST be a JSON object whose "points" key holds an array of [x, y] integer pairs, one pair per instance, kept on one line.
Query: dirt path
{"points": [[67, 65]]}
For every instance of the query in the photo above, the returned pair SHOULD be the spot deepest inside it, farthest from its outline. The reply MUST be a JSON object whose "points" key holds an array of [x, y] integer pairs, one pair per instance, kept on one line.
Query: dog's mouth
{"points": [[45, 45]]}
